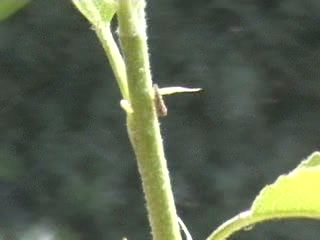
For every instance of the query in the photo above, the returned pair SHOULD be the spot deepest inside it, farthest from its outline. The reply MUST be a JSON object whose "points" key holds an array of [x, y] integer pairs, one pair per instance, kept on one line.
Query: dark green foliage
{"points": [[60, 116]]}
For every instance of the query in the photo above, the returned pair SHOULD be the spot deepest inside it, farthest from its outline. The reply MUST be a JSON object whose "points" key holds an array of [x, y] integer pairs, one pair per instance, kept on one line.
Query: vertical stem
{"points": [[143, 125]]}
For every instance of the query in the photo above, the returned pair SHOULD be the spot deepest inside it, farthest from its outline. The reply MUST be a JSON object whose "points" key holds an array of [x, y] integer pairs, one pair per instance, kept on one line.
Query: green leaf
{"points": [[312, 161], [9, 7], [296, 194], [98, 12]]}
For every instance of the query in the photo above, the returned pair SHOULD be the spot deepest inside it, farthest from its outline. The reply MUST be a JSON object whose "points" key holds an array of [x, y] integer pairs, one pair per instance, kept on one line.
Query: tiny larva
{"points": [[160, 105]]}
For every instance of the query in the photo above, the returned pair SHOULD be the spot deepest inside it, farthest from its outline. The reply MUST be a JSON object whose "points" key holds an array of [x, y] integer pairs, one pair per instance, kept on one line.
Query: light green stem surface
{"points": [[143, 125]]}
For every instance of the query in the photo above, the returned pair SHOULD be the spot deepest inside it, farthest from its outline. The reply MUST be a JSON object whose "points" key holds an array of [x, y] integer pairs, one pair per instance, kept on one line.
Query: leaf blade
{"points": [[97, 12], [9, 7]]}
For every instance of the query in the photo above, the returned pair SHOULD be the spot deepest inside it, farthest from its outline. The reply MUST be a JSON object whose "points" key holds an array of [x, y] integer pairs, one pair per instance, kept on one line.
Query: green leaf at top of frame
{"points": [[296, 194], [97, 11], [9, 7]]}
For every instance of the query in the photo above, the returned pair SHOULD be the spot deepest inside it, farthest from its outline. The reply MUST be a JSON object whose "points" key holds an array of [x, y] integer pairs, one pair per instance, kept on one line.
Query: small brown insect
{"points": [[161, 108]]}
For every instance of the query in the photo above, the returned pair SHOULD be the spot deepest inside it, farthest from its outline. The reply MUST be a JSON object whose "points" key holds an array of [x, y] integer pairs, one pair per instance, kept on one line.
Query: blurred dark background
{"points": [[67, 170]]}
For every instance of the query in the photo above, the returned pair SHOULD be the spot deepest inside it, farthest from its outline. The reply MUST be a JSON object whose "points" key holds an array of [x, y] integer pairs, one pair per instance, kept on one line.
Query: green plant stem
{"points": [[143, 125], [116, 61]]}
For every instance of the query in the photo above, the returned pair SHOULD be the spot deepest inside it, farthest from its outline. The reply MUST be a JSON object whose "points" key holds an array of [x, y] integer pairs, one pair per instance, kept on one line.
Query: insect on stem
{"points": [[160, 105]]}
